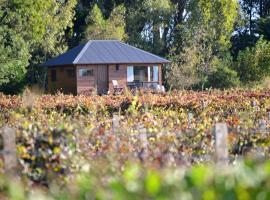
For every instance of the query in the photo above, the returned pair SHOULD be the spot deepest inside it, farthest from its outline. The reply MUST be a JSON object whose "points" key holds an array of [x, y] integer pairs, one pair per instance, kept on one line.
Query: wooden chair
{"points": [[116, 87]]}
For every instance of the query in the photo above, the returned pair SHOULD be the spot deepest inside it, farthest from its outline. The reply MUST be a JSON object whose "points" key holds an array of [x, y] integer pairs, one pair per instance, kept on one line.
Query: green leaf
{"points": [[153, 183]]}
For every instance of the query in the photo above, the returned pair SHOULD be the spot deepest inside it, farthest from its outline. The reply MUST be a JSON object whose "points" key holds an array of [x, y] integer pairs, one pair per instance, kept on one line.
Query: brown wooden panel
{"points": [[88, 83], [102, 79], [64, 82]]}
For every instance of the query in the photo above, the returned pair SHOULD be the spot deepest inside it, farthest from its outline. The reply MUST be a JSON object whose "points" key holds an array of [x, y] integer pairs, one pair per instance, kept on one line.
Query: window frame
{"points": [[86, 72], [152, 73]]}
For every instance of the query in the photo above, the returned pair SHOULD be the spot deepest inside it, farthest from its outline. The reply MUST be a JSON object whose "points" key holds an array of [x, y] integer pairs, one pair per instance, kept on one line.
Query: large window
{"points": [[142, 74], [86, 72]]}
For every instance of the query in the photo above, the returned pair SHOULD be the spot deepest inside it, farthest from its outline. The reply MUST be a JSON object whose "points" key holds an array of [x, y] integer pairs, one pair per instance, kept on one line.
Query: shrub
{"points": [[253, 64], [45, 152], [223, 76]]}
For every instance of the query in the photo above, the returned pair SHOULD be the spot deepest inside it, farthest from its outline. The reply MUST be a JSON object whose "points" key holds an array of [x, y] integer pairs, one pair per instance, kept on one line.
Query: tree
{"points": [[253, 64], [218, 18], [14, 56], [29, 27], [57, 17], [253, 11], [207, 33], [149, 24], [100, 28]]}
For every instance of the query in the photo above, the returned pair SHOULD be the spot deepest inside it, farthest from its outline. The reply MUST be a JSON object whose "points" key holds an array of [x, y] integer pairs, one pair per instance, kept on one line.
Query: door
{"points": [[102, 79]]}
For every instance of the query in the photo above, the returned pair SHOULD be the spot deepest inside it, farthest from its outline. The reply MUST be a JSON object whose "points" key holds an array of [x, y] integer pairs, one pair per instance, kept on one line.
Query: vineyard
{"points": [[138, 146]]}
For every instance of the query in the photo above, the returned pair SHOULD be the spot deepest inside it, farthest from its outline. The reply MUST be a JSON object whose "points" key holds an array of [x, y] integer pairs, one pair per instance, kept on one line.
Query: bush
{"points": [[253, 64], [45, 152], [223, 76]]}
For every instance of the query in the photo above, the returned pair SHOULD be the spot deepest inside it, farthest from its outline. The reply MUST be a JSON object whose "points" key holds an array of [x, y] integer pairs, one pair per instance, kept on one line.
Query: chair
{"points": [[116, 87]]}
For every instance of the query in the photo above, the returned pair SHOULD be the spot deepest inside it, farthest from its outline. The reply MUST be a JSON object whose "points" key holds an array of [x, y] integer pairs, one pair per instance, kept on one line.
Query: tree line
{"points": [[212, 43]]}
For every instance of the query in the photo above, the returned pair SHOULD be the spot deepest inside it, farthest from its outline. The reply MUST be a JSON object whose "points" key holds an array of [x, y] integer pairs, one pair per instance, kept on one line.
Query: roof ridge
{"points": [[143, 51], [82, 52]]}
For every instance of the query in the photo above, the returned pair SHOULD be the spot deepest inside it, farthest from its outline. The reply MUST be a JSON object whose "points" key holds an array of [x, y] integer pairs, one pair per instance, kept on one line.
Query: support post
{"points": [[221, 143], [9, 149]]}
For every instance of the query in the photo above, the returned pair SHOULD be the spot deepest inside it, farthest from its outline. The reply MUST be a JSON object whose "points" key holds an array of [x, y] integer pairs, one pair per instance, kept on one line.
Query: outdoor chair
{"points": [[116, 87]]}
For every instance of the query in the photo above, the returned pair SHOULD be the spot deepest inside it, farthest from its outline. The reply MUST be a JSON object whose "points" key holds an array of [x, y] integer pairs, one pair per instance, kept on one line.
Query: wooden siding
{"points": [[88, 83], [120, 75], [63, 82], [102, 79]]}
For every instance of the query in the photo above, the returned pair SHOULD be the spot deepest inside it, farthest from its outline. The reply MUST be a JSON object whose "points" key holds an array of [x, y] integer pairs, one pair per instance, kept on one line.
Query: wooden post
{"points": [[144, 143], [9, 149], [190, 117], [221, 143], [115, 130], [203, 104], [115, 123], [262, 126], [143, 139]]}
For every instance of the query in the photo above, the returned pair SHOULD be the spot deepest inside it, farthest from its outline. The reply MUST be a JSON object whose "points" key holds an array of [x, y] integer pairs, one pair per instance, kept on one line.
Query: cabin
{"points": [[96, 65]]}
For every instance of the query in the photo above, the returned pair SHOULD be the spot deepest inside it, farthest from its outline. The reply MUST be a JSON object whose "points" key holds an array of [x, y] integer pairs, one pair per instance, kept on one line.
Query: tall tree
{"points": [[149, 24], [57, 17], [100, 28], [207, 33], [254, 24]]}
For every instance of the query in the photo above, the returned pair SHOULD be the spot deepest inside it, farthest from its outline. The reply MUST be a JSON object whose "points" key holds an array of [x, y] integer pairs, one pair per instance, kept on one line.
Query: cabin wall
{"points": [[86, 84], [64, 81], [120, 75]]}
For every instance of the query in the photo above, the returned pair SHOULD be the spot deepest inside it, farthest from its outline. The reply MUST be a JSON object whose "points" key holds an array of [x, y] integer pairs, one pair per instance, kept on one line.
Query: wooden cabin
{"points": [[94, 66]]}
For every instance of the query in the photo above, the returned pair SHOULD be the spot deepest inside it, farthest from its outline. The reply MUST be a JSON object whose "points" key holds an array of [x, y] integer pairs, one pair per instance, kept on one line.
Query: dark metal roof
{"points": [[105, 52]]}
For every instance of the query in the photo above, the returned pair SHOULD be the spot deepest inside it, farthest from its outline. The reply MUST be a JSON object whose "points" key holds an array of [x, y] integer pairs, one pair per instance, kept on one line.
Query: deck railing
{"points": [[142, 84]]}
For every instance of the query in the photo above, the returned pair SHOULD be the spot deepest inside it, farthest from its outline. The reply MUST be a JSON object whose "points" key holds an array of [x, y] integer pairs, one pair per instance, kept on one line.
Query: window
{"points": [[117, 67], [71, 73], [142, 74], [86, 72], [155, 74], [53, 75], [130, 74]]}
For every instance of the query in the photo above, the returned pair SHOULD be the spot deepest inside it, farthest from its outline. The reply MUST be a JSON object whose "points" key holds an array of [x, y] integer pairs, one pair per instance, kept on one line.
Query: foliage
{"points": [[247, 180], [14, 53], [207, 39], [253, 63], [46, 152], [263, 28], [28, 27], [100, 28], [218, 18], [14, 57], [223, 76], [60, 137]]}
